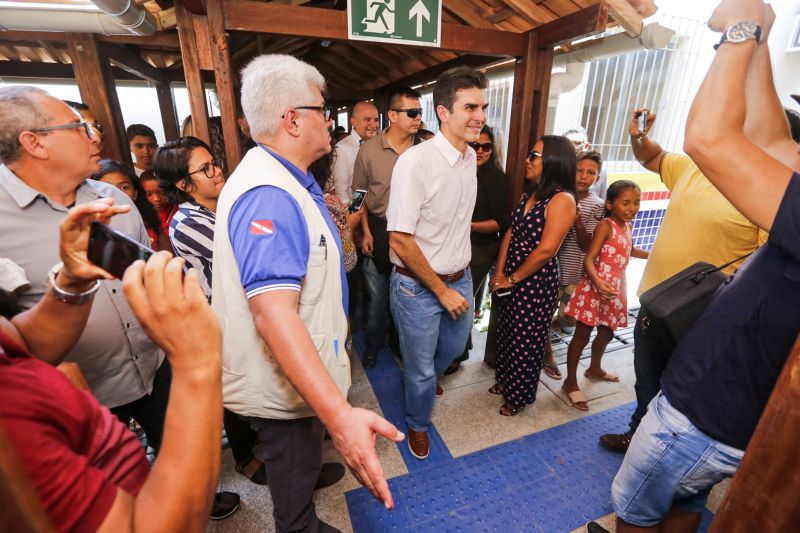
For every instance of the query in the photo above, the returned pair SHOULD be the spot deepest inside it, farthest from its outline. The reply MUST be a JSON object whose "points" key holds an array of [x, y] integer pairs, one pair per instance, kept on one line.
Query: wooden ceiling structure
{"points": [[208, 41]]}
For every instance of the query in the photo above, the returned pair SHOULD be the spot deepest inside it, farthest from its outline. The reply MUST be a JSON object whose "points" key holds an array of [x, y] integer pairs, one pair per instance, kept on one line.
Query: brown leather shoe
{"points": [[439, 390], [616, 442], [418, 443]]}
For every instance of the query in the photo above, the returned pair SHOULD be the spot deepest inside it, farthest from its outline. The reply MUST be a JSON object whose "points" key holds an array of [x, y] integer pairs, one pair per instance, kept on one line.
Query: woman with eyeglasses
{"points": [[191, 178], [490, 219], [526, 274]]}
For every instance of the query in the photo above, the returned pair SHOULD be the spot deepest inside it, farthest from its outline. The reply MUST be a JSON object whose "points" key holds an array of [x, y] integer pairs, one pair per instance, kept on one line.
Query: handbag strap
{"points": [[729, 263]]}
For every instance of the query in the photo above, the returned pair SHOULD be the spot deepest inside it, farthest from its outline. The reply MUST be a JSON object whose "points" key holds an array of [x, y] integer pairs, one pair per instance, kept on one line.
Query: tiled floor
{"points": [[540, 471]]}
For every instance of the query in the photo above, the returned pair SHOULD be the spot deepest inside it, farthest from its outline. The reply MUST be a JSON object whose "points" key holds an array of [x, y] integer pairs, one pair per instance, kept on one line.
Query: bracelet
{"points": [[65, 296], [512, 280]]}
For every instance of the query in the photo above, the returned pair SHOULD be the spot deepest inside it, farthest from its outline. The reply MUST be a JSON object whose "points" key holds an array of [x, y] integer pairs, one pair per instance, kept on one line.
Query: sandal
{"points": [[551, 369], [576, 399], [607, 376], [497, 388], [254, 470], [510, 410]]}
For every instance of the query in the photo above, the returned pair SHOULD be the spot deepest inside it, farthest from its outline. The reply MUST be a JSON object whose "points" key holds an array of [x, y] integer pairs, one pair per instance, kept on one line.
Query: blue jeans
{"points": [[377, 287], [429, 339], [670, 463]]}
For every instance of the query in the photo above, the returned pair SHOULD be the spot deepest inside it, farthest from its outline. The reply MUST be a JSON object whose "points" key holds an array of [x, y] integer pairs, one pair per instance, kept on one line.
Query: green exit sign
{"points": [[395, 21]]}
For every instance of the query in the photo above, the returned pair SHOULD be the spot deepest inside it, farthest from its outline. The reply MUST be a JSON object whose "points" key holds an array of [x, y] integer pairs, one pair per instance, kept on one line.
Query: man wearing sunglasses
{"points": [[47, 152], [434, 186], [373, 172]]}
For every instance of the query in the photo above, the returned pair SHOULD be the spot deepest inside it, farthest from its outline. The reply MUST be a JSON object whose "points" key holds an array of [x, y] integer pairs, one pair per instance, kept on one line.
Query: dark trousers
{"points": [[292, 453], [241, 437], [650, 357], [150, 410], [483, 259]]}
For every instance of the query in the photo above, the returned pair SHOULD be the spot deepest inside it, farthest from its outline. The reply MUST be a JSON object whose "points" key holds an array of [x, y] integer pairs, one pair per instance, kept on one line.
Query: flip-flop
{"points": [[551, 369], [577, 399], [607, 376]]}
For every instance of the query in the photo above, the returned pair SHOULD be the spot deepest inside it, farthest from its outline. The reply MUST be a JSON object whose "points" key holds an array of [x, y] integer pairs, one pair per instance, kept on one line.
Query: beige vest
{"points": [[253, 383]]}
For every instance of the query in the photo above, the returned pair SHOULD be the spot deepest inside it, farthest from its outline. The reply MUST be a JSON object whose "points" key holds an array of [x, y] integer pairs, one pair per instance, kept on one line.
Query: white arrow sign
{"points": [[419, 11]]}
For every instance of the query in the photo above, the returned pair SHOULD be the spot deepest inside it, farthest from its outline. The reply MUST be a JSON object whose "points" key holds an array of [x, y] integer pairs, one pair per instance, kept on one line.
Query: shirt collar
{"points": [[451, 155], [306, 179], [24, 195], [354, 134]]}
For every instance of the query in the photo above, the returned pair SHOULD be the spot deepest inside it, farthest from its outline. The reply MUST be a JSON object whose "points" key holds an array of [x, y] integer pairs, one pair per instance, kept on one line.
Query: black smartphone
{"points": [[113, 251], [502, 293], [358, 200]]}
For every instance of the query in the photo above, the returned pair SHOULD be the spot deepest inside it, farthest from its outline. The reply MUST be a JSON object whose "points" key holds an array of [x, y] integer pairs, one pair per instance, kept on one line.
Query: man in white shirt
{"points": [[434, 185], [365, 125]]}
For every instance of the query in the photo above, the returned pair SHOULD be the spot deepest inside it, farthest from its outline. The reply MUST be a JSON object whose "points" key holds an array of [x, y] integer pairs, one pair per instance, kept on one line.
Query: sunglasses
{"points": [[412, 113], [486, 147], [74, 125], [208, 168], [533, 154]]}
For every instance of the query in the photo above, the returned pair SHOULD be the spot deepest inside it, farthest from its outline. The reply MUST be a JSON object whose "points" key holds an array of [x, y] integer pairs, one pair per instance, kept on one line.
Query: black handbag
{"points": [[676, 303]]}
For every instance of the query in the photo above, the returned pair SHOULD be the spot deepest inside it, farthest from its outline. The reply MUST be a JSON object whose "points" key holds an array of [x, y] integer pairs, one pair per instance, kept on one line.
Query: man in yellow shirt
{"points": [[699, 225]]}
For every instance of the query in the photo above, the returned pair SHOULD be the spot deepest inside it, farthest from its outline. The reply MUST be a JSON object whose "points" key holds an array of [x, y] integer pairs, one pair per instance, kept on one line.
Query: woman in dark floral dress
{"points": [[527, 267]]}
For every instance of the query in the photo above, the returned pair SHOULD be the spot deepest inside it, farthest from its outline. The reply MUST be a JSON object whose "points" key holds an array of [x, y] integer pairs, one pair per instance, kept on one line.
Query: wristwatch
{"points": [[512, 279], [740, 32], [68, 297]]}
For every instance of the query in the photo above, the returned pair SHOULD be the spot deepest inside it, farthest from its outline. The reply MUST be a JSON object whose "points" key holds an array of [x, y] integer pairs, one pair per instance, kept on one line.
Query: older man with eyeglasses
{"points": [[280, 292], [46, 154]]}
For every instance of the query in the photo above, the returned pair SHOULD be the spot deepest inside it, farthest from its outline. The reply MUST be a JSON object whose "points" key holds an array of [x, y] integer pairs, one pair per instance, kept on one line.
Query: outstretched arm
{"points": [[752, 180], [765, 121]]}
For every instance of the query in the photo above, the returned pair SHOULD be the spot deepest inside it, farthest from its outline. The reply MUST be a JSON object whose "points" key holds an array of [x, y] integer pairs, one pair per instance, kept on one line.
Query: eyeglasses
{"points": [[412, 113], [326, 111], [533, 154], [74, 125], [486, 147], [208, 168]]}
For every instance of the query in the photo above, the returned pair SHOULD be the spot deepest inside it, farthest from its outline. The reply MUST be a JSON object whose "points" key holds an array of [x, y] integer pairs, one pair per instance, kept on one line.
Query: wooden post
{"points": [[220, 56], [96, 84], [169, 116], [520, 132], [764, 492], [191, 69]]}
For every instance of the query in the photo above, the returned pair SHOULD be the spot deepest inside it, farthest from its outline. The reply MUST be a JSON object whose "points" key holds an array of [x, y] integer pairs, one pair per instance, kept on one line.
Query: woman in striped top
{"points": [[192, 179]]}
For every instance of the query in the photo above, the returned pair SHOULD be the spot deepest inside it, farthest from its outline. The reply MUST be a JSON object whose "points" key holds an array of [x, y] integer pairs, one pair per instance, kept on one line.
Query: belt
{"points": [[447, 278]]}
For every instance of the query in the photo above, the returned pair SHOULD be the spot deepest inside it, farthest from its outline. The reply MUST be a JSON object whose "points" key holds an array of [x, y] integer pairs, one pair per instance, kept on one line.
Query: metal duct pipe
{"points": [[137, 20], [17, 18], [653, 37], [563, 82]]}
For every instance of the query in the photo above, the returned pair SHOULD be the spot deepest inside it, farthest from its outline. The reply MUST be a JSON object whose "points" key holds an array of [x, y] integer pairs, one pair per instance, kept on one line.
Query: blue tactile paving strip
{"points": [[386, 380], [552, 481]]}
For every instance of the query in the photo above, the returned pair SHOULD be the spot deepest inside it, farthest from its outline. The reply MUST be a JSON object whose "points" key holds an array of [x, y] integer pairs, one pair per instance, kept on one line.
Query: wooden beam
{"points": [[763, 494], [96, 85], [191, 71], [226, 91], [430, 74], [531, 11], [162, 39], [583, 23], [203, 39], [169, 115], [626, 16], [318, 23], [131, 61], [27, 69]]}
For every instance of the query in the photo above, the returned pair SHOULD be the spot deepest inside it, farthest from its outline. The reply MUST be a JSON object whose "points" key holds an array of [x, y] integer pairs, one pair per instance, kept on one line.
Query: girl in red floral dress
{"points": [[600, 299]]}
